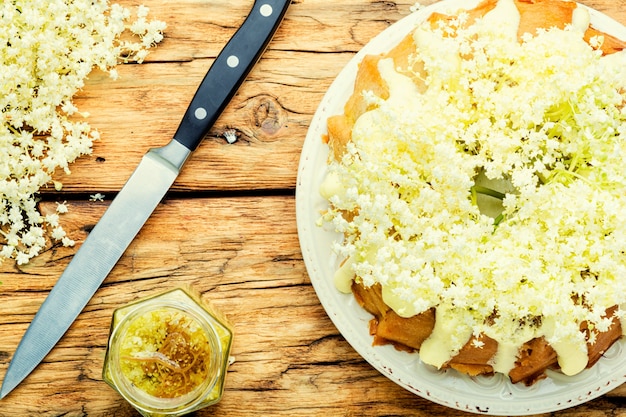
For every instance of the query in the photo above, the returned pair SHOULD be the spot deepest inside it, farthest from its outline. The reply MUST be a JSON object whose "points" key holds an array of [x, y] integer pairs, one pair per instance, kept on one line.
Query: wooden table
{"points": [[227, 227]]}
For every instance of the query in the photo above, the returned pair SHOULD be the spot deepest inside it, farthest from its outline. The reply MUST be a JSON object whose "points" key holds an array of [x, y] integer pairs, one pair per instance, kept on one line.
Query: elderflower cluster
{"points": [[547, 117], [47, 50]]}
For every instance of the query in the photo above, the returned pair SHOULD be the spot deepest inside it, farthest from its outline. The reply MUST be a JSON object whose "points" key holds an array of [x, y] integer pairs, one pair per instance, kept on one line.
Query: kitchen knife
{"points": [[142, 193]]}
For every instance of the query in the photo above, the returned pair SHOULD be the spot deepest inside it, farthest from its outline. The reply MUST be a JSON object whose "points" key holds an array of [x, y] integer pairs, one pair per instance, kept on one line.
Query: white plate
{"points": [[485, 395]]}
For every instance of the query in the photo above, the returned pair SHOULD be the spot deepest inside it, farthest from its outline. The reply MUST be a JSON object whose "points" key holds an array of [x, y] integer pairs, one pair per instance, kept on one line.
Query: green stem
{"points": [[488, 191]]}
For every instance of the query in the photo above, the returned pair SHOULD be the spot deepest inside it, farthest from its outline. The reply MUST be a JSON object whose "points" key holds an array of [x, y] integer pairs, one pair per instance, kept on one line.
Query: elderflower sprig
{"points": [[47, 49]]}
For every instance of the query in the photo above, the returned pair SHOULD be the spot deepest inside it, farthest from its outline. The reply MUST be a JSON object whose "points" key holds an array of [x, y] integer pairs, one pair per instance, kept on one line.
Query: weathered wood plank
{"points": [[269, 118], [243, 255], [270, 114]]}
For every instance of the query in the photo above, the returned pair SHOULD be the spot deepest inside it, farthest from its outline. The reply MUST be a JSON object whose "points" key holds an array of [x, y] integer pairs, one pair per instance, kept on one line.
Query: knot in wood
{"points": [[267, 114]]}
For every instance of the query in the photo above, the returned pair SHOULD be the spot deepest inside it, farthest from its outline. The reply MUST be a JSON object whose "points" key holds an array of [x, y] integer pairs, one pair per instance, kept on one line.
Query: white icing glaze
{"points": [[505, 17], [401, 307], [402, 90], [344, 276], [572, 356], [504, 359], [449, 335], [331, 186], [581, 19]]}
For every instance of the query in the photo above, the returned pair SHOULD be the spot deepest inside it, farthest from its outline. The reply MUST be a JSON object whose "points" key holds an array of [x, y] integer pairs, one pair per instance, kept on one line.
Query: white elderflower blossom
{"points": [[47, 50], [546, 117]]}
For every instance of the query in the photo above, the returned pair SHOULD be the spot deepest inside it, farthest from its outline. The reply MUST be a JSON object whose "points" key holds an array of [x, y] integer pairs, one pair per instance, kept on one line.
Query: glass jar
{"points": [[168, 354]]}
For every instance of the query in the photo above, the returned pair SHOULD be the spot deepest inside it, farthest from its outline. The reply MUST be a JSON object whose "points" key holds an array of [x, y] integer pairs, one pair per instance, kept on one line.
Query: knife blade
{"points": [[142, 193]]}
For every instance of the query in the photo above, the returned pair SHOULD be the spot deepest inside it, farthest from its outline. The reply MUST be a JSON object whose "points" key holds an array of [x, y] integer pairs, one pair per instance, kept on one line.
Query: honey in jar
{"points": [[168, 354]]}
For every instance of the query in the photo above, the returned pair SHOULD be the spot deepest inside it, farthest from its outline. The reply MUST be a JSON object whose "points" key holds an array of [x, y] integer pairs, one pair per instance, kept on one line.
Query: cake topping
{"points": [[545, 115]]}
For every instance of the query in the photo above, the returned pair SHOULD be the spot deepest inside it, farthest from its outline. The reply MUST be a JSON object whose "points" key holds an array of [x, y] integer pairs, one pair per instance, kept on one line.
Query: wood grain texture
{"points": [[270, 113], [229, 228]]}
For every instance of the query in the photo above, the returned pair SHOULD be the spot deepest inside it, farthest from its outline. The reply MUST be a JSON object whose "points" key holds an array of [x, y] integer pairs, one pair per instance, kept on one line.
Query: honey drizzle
{"points": [[178, 366]]}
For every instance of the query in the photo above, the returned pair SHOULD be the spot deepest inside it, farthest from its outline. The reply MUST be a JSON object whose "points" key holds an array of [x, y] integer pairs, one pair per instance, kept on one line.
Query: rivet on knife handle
{"points": [[141, 194], [230, 69]]}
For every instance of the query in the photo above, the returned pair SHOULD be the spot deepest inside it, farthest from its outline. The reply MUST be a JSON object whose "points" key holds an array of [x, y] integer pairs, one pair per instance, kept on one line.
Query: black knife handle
{"points": [[229, 70]]}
